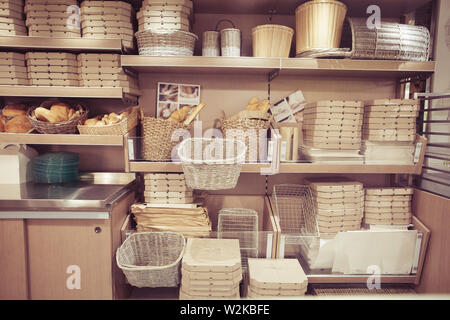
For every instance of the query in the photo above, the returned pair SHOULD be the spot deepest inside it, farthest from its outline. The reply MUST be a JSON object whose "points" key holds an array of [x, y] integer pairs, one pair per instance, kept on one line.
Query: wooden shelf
{"points": [[198, 64], [288, 66], [25, 43], [63, 92], [62, 139], [144, 166]]}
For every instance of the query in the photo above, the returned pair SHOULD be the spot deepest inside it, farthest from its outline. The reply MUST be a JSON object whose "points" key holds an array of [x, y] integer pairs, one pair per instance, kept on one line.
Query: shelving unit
{"points": [[24, 43], [62, 139]]}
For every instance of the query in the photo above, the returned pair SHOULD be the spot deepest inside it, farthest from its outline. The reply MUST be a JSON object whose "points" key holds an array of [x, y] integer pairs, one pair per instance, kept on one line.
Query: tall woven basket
{"points": [[158, 140], [152, 259], [211, 164], [253, 132]]}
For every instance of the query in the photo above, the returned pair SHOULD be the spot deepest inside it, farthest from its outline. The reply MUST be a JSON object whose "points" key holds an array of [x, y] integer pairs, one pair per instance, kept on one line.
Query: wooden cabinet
{"points": [[13, 260]]}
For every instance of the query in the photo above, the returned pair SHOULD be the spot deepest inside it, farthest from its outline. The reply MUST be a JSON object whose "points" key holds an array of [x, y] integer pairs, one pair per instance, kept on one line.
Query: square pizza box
{"points": [[315, 139], [12, 5], [376, 210], [335, 103], [392, 114], [315, 109], [61, 7], [378, 204], [332, 128], [44, 14], [340, 122], [354, 227], [257, 293], [234, 276], [96, 63], [335, 116], [168, 200], [393, 108], [403, 197], [100, 23], [389, 102], [12, 33], [334, 184], [10, 13], [164, 176], [12, 27], [341, 224], [403, 215], [12, 55], [338, 194], [50, 82], [128, 30], [286, 274], [54, 28], [331, 206], [166, 188], [53, 75], [387, 221], [209, 289], [105, 17], [225, 284], [12, 62], [104, 76], [212, 255], [14, 74], [52, 62], [400, 138], [99, 69], [30, 21], [198, 296], [88, 10], [340, 212], [170, 194], [375, 126], [50, 55], [333, 146], [337, 136], [389, 191], [127, 39], [47, 68], [339, 201], [14, 81], [164, 19], [98, 57], [340, 218], [8, 20], [55, 34], [164, 11], [107, 4], [185, 3], [12, 68]]}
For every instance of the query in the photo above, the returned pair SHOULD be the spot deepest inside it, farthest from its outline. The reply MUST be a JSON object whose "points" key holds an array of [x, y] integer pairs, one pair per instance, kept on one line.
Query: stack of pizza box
{"points": [[389, 131], [11, 18], [107, 20], [165, 14], [12, 69], [211, 269], [276, 278], [332, 126], [52, 68], [388, 206], [53, 18], [339, 204], [167, 188], [104, 70]]}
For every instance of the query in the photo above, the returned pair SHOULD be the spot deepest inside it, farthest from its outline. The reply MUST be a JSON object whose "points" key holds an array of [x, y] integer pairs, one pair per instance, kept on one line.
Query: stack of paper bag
{"points": [[104, 70], [169, 15], [107, 20], [52, 68], [12, 69], [276, 278], [338, 203], [53, 18], [11, 18], [211, 269], [388, 206]]}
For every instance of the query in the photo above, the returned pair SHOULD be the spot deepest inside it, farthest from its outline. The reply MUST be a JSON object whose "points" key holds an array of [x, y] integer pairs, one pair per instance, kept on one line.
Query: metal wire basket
{"points": [[239, 223], [163, 42]]}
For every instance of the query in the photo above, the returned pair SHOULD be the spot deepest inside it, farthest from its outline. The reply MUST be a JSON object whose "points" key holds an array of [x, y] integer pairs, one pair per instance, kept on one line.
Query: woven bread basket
{"points": [[120, 128], [152, 259], [67, 127], [163, 42], [157, 142]]}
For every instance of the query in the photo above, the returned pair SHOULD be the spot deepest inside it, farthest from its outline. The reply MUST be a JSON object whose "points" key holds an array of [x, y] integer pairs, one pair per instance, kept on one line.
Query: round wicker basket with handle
{"points": [[59, 127], [211, 164], [158, 142], [152, 259]]}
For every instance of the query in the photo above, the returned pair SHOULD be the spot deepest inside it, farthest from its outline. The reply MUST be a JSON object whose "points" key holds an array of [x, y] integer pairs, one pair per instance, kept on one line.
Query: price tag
{"points": [[131, 149], [417, 152]]}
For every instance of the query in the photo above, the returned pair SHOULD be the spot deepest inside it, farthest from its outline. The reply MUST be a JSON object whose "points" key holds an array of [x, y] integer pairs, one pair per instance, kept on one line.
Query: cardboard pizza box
{"points": [[389, 191], [55, 34], [53, 75], [98, 57], [14, 81], [340, 122], [51, 82], [50, 55], [105, 24], [65, 69], [12, 33], [109, 30], [106, 4], [387, 102], [234, 276], [88, 10], [12, 68], [335, 134], [52, 62], [105, 17]]}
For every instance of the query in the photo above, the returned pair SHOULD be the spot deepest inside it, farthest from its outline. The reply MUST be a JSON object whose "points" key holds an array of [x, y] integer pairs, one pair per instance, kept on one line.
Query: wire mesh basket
{"points": [[239, 223], [390, 41], [163, 42]]}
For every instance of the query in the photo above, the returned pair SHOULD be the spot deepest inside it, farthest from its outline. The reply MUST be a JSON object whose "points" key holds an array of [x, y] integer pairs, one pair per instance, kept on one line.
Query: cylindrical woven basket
{"points": [[271, 40], [391, 41], [211, 44], [157, 144], [152, 259], [319, 25], [162, 42], [120, 128], [67, 127], [206, 171], [230, 40], [249, 131]]}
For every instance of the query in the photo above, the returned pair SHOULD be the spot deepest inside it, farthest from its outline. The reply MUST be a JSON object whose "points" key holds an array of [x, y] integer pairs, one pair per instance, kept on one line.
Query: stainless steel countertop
{"points": [[93, 191]]}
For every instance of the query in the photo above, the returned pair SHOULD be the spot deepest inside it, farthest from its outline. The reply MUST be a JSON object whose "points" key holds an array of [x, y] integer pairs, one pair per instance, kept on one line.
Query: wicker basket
{"points": [[157, 143], [120, 128], [152, 259], [319, 25], [249, 131], [271, 40], [163, 42], [390, 41], [220, 170], [60, 127]]}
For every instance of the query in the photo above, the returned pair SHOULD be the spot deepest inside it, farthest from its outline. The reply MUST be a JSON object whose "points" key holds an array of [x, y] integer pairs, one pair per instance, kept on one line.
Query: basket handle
{"points": [[224, 20]]}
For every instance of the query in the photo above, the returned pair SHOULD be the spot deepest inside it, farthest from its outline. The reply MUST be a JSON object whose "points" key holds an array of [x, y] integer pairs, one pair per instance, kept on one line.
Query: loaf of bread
{"points": [[2, 123], [19, 124], [107, 119], [180, 115], [14, 109], [61, 111]]}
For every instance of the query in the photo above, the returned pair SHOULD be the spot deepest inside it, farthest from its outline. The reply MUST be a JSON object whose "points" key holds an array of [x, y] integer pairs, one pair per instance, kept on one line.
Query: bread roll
{"points": [[2, 123], [113, 118], [61, 111], [14, 109], [91, 122], [180, 115], [19, 124], [43, 114]]}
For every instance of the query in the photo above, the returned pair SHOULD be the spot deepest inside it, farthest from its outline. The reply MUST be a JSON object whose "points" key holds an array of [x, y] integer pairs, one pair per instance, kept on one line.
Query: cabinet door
{"points": [[69, 259], [13, 260]]}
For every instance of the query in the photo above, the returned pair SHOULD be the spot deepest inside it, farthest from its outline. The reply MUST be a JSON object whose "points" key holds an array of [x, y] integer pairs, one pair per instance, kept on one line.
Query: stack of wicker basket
{"points": [[104, 70], [13, 69], [11, 18], [107, 20], [211, 269], [52, 68], [53, 18]]}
